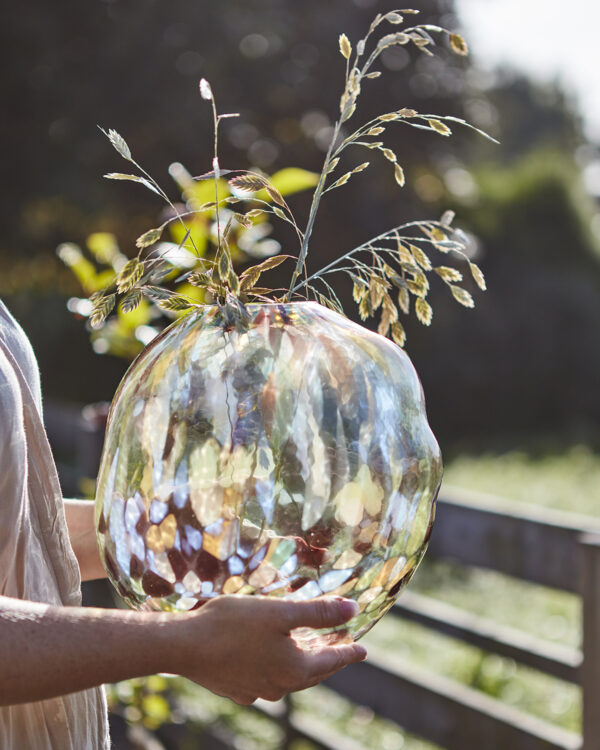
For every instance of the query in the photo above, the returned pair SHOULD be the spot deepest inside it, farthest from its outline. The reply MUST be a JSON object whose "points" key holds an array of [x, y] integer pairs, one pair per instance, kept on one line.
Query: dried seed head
{"points": [[458, 44], [205, 89], [345, 46]]}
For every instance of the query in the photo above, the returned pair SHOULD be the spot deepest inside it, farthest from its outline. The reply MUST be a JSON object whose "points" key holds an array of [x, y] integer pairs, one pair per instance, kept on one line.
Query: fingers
{"points": [[318, 613], [322, 664]]}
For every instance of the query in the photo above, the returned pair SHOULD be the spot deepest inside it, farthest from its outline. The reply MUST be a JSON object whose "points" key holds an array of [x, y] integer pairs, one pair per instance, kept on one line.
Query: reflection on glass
{"points": [[286, 455]]}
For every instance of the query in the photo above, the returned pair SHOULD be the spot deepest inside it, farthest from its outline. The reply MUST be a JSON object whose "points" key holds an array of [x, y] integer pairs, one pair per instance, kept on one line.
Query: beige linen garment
{"points": [[36, 559]]}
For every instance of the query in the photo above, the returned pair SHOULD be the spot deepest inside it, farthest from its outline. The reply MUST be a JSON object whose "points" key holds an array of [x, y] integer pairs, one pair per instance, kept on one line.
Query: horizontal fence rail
{"points": [[551, 658], [520, 540], [452, 715]]}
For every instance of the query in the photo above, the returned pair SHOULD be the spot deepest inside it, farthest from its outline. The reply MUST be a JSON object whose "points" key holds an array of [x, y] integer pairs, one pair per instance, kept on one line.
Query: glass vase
{"points": [[284, 452]]}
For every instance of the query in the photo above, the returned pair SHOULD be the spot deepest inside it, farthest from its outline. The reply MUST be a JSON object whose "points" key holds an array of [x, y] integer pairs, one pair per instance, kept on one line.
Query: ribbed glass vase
{"points": [[285, 453]]}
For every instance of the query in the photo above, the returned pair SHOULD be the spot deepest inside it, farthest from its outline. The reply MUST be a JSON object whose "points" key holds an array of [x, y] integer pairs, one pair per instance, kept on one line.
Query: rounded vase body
{"points": [[286, 455]]}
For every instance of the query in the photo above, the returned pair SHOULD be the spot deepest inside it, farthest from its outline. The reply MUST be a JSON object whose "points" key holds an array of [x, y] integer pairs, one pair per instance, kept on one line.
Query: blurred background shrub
{"points": [[524, 363]]}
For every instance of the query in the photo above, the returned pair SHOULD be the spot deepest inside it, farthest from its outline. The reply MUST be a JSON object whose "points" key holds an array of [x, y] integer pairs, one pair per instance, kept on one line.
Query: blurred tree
{"points": [[134, 65], [524, 361], [528, 362]]}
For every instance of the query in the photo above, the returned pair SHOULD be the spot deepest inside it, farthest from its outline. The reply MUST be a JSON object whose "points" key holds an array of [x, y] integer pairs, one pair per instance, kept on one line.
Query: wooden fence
{"points": [[551, 548]]}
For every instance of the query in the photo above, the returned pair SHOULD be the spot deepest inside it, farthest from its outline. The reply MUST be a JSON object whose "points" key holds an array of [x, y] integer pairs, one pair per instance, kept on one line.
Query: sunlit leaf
{"points": [[71, 256], [293, 180], [104, 247]]}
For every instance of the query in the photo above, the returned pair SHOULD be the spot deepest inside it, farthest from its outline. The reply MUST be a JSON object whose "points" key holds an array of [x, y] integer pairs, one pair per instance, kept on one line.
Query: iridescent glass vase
{"points": [[284, 453]]}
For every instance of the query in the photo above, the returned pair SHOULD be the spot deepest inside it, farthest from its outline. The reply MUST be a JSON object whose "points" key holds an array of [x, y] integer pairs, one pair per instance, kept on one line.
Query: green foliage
{"points": [[178, 273], [528, 362], [145, 701]]}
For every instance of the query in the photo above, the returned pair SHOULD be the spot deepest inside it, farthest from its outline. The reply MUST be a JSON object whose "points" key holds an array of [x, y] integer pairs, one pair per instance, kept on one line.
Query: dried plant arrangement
{"points": [[386, 271]]}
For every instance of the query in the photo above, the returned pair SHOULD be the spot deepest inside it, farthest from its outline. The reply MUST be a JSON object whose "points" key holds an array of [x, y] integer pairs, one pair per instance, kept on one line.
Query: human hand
{"points": [[240, 647]]}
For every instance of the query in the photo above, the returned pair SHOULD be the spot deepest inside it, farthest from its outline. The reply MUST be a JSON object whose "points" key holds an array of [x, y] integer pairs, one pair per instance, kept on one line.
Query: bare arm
{"points": [[82, 533], [236, 646]]}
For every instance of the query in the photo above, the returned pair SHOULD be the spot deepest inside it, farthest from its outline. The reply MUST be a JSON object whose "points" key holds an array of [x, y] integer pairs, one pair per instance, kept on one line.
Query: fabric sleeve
{"points": [[13, 468]]}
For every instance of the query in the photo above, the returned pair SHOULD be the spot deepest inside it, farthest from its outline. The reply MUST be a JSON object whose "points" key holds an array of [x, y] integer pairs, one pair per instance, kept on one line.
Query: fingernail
{"points": [[361, 652]]}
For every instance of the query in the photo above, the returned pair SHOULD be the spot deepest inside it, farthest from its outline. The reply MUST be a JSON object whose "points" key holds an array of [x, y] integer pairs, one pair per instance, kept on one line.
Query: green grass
{"points": [[570, 481]]}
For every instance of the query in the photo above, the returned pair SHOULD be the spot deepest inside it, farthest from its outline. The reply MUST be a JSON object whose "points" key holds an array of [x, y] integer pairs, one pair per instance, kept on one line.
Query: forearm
{"points": [[82, 533], [239, 647], [47, 651]]}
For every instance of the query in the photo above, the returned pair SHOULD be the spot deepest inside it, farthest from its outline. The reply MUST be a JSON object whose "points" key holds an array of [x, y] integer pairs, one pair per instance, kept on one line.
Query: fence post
{"points": [[590, 670], [286, 724]]}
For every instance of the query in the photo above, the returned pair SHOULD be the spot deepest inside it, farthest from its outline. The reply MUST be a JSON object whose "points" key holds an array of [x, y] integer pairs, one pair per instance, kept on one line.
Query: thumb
{"points": [[320, 613]]}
